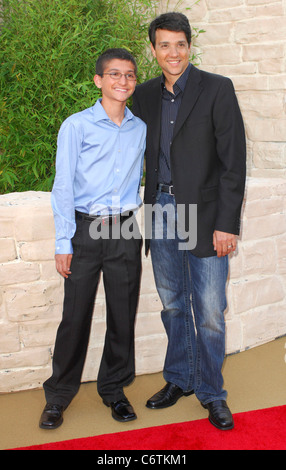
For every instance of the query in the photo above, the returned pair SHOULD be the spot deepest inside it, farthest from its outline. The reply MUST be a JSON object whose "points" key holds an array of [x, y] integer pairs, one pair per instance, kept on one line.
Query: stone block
{"points": [[150, 354], [33, 301], [252, 293], [49, 272], [250, 82], [35, 226], [92, 363], [234, 336], [6, 228], [224, 54], [263, 227], [26, 358], [39, 250], [254, 52], [148, 325], [9, 338], [36, 334], [281, 254], [220, 4], [18, 273], [15, 380], [262, 104], [259, 257], [260, 30], [265, 207], [216, 35], [269, 155], [149, 303], [8, 251], [264, 324], [2, 307]]}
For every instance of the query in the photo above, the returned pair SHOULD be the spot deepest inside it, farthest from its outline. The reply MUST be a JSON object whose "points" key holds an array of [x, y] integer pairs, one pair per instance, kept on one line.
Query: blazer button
{"points": [[156, 169]]}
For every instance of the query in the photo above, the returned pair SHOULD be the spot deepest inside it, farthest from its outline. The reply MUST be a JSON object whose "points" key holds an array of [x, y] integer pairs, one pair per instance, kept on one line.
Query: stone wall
{"points": [[31, 291], [246, 41]]}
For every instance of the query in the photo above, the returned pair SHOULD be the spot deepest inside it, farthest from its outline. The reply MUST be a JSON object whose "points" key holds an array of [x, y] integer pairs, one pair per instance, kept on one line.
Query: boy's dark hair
{"points": [[171, 22], [111, 54]]}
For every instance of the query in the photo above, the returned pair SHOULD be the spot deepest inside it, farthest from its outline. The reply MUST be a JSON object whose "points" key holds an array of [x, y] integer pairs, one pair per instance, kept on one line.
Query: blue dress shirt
{"points": [[99, 167]]}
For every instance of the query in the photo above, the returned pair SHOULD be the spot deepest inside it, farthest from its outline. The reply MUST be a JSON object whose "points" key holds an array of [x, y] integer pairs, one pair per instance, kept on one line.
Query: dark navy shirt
{"points": [[170, 107]]}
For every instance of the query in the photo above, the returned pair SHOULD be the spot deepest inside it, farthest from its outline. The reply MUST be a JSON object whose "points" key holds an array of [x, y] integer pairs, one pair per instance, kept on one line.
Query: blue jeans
{"points": [[192, 291]]}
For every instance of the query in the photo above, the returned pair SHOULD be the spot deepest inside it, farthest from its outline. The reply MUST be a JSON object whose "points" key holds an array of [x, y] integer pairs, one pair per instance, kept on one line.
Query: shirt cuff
{"points": [[64, 247]]}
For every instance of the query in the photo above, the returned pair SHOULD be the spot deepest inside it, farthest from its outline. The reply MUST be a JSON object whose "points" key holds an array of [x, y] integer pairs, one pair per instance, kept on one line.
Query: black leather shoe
{"points": [[121, 410], [52, 417], [220, 415], [168, 396]]}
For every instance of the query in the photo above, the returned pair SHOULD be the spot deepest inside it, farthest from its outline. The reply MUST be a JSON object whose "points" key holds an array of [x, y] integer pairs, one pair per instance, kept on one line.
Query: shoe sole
{"points": [[124, 420], [226, 428]]}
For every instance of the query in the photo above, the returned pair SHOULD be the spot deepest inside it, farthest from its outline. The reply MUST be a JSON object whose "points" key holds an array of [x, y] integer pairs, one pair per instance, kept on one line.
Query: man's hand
{"points": [[224, 243], [63, 264]]}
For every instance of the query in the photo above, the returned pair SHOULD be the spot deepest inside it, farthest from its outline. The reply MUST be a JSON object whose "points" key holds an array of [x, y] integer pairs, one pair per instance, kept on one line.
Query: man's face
{"points": [[114, 88], [172, 52]]}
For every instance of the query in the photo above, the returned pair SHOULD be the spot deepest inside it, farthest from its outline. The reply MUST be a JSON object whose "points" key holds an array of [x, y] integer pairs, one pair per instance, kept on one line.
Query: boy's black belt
{"points": [[104, 220]]}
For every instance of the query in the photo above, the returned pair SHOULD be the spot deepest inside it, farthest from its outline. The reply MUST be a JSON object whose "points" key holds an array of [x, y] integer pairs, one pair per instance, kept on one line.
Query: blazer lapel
{"points": [[154, 114], [191, 94]]}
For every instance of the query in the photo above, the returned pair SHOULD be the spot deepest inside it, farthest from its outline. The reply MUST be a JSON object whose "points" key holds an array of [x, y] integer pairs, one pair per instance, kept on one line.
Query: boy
{"points": [[99, 168]]}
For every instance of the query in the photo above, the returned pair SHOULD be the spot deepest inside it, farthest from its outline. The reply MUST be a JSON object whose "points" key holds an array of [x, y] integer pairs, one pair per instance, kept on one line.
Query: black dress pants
{"points": [[120, 262]]}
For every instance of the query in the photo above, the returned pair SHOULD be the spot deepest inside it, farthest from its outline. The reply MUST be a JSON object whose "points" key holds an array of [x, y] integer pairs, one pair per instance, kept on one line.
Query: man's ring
{"points": [[229, 246]]}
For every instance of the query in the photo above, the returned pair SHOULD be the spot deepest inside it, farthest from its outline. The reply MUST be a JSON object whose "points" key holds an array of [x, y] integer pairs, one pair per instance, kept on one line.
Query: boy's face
{"points": [[114, 88], [172, 52]]}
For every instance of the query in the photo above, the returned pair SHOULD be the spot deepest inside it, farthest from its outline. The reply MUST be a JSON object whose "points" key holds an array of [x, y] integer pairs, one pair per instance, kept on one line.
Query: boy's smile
{"points": [[115, 85]]}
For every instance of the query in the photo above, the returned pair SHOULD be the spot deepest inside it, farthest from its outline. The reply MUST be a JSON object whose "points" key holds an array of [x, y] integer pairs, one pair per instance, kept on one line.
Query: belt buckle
{"points": [[104, 219], [171, 193]]}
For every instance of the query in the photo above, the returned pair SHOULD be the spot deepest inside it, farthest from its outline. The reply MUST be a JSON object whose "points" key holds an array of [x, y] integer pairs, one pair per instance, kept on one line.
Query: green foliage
{"points": [[48, 50]]}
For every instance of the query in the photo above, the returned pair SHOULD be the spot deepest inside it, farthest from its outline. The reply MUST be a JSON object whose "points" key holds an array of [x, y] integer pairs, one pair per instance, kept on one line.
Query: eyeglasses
{"points": [[117, 76]]}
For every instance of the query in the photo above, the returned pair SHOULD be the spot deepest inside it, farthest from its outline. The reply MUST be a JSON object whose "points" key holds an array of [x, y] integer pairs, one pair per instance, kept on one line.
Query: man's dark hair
{"points": [[111, 54], [171, 22]]}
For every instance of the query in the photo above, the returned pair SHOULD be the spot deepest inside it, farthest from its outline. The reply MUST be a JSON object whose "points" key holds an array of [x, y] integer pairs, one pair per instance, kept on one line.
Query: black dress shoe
{"points": [[168, 396], [52, 417], [121, 410], [220, 415]]}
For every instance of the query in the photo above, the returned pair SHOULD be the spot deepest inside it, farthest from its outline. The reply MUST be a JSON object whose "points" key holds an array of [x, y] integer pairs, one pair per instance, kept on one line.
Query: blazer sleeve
{"points": [[231, 150], [135, 105]]}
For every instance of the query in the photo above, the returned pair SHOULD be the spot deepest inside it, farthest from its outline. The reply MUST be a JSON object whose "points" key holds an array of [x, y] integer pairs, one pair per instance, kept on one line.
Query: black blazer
{"points": [[208, 152]]}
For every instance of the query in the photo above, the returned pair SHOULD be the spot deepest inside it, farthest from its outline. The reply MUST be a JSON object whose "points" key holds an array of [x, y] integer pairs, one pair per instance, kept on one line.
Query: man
{"points": [[195, 156], [99, 169]]}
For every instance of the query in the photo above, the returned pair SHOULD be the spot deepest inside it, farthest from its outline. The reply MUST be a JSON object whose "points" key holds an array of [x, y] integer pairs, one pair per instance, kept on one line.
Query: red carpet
{"points": [[254, 430]]}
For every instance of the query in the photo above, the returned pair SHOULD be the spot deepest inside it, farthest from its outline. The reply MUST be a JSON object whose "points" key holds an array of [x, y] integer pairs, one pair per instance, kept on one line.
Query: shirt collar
{"points": [[180, 84], [101, 115]]}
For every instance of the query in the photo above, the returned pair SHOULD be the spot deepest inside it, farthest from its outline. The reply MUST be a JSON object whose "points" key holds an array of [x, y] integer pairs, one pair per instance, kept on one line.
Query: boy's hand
{"points": [[63, 264]]}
